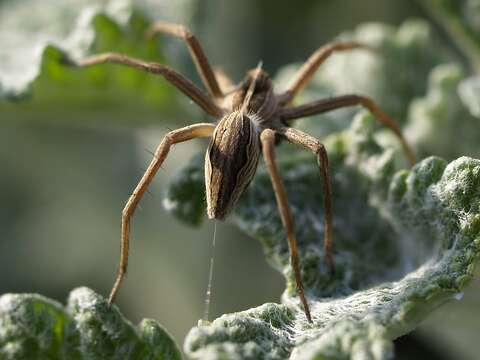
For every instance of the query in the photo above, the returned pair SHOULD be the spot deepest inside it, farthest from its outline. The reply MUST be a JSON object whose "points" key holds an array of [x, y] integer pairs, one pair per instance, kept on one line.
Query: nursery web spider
{"points": [[249, 118]]}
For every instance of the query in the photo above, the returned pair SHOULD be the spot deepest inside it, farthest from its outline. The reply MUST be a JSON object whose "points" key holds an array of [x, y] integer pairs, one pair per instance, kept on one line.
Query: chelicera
{"points": [[249, 119]]}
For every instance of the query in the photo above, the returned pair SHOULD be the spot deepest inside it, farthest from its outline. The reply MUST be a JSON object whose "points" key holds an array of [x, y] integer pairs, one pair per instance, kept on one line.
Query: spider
{"points": [[249, 119]]}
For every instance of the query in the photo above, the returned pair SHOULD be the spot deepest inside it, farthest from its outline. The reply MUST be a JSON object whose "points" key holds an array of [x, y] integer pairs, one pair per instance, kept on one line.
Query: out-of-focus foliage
{"points": [[450, 110], [36, 63], [461, 18]]}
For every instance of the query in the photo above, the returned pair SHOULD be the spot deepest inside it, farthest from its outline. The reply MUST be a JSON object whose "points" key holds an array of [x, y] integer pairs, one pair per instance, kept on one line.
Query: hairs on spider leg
{"points": [[149, 151]]}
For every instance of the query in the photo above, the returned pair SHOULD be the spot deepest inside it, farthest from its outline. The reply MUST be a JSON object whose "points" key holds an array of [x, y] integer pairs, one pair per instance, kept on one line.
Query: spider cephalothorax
{"points": [[263, 101], [248, 120]]}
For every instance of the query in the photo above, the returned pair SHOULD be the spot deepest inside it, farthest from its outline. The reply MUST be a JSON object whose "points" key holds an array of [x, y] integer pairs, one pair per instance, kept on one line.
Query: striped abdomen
{"points": [[230, 162]]}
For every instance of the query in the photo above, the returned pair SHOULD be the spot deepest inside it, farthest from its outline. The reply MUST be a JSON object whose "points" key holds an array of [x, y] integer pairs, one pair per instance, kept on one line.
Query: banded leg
{"points": [[310, 143], [196, 52], [308, 69], [173, 137], [267, 138], [325, 105], [175, 78]]}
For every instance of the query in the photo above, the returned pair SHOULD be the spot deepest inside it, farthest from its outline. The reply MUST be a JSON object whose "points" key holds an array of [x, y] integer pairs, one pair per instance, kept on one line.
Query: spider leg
{"points": [[325, 105], [173, 137], [175, 78], [267, 138], [309, 67], [196, 52], [307, 141]]}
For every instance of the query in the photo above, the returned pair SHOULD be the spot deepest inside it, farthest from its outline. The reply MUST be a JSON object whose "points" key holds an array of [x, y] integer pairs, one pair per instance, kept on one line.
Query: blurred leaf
{"points": [[469, 93], [32, 63], [446, 121], [405, 242], [461, 18], [34, 327]]}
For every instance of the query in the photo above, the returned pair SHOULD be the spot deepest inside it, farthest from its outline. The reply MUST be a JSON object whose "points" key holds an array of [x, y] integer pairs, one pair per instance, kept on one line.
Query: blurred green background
{"points": [[67, 167]]}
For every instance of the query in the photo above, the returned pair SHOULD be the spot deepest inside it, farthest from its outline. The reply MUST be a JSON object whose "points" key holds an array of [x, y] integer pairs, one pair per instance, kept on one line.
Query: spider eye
{"points": [[230, 162]]}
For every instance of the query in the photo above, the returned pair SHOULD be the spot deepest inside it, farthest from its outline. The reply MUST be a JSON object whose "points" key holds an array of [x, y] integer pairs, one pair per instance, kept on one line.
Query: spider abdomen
{"points": [[230, 162]]}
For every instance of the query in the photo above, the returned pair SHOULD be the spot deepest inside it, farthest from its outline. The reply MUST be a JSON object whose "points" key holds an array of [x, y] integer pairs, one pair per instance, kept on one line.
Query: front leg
{"points": [[202, 64], [267, 138], [172, 76], [310, 143], [173, 137]]}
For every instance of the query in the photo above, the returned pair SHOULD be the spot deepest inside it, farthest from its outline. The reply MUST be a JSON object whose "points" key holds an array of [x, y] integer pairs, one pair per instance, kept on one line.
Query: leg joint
{"points": [[319, 148], [364, 101], [185, 32], [267, 135], [171, 137], [322, 154], [126, 211]]}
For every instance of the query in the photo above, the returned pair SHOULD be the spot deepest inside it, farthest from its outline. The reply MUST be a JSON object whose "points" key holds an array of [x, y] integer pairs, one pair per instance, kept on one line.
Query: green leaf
{"points": [[461, 18], [405, 242], [469, 93], [34, 327], [34, 63], [450, 111]]}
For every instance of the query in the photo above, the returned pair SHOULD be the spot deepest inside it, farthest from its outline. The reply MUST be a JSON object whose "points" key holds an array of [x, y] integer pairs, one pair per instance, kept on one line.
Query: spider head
{"points": [[230, 162], [262, 90]]}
